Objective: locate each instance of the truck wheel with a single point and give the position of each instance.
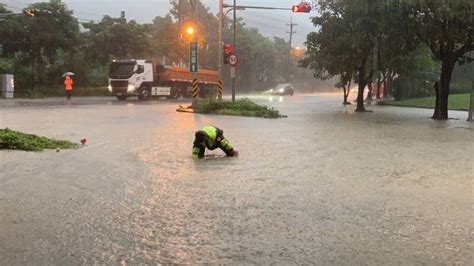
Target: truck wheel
(122, 97)
(144, 94)
(173, 92)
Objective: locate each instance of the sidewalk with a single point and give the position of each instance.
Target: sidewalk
(52, 101)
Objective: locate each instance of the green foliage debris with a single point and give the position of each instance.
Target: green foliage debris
(242, 107)
(14, 140)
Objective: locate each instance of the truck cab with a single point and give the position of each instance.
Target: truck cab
(135, 78)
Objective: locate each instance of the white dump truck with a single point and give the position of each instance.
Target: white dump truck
(144, 78)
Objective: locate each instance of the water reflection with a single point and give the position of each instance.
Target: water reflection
(272, 98)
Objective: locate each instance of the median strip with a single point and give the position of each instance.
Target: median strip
(242, 107)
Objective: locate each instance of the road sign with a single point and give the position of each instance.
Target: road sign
(232, 72)
(193, 57)
(233, 59)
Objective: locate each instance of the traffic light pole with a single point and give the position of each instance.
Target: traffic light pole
(471, 104)
(233, 43)
(288, 68)
(220, 45)
(255, 7)
(195, 29)
(195, 74)
(220, 29)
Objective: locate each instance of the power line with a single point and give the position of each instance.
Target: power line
(14, 7)
(78, 18)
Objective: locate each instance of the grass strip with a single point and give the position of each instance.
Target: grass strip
(455, 102)
(14, 140)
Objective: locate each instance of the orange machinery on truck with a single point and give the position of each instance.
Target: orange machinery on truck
(144, 78)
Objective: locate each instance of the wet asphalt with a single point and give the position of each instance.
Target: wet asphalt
(324, 186)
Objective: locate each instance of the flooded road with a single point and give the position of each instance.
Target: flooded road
(323, 186)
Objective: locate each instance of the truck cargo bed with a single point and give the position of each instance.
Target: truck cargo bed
(183, 75)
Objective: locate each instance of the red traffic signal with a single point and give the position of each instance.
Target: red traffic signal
(30, 12)
(228, 48)
(227, 53)
(303, 7)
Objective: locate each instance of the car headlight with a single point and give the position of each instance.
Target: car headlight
(130, 88)
(271, 90)
(109, 88)
(281, 90)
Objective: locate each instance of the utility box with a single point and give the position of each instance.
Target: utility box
(7, 85)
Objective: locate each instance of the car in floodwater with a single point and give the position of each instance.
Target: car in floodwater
(283, 89)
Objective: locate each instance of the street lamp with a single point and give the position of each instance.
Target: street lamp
(190, 30)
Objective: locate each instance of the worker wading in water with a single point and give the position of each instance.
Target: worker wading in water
(212, 138)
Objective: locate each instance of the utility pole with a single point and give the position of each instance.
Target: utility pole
(193, 54)
(471, 103)
(234, 7)
(291, 24)
(196, 31)
(234, 47)
(220, 44)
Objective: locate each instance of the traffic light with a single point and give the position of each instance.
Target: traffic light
(30, 12)
(303, 7)
(227, 53)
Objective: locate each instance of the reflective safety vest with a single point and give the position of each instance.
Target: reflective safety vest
(68, 83)
(211, 142)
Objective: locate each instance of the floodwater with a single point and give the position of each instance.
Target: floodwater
(323, 186)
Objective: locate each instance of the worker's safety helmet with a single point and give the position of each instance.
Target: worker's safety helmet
(200, 136)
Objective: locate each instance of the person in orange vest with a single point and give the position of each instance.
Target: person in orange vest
(68, 86)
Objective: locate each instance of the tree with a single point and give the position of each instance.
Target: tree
(39, 49)
(55, 28)
(281, 60)
(115, 38)
(355, 24)
(165, 44)
(447, 28)
(329, 52)
(205, 31)
(13, 36)
(416, 75)
(35, 41)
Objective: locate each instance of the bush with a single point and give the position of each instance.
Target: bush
(242, 107)
(14, 140)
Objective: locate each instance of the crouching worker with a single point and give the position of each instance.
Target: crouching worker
(212, 138)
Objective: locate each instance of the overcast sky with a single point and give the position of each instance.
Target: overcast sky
(269, 22)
